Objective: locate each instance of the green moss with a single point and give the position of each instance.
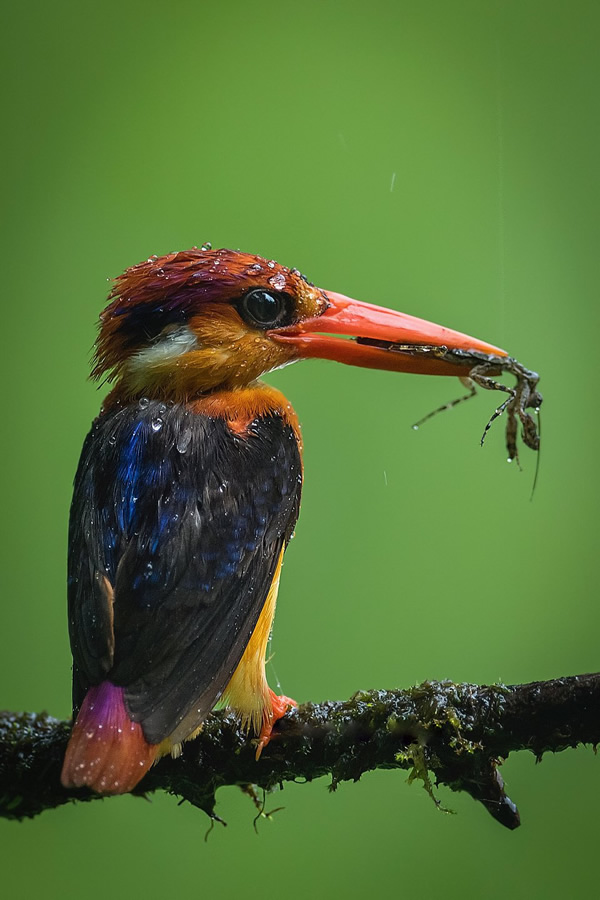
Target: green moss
(415, 754)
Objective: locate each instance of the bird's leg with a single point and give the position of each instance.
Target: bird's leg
(279, 706)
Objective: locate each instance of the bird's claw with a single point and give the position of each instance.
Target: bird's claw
(279, 706)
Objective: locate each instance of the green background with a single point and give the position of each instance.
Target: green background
(437, 157)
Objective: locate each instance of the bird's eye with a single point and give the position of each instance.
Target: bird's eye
(265, 310)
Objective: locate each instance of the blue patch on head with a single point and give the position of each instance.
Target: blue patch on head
(144, 321)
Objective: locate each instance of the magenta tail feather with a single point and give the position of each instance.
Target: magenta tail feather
(107, 752)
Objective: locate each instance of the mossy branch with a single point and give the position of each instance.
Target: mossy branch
(445, 733)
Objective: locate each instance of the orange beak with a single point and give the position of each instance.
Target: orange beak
(381, 339)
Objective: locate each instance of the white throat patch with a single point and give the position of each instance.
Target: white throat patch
(171, 343)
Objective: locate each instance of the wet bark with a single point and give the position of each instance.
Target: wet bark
(444, 733)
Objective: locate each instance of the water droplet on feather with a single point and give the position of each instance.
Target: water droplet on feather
(277, 281)
(183, 440)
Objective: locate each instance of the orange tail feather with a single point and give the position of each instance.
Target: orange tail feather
(107, 752)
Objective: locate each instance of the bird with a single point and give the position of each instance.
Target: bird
(188, 490)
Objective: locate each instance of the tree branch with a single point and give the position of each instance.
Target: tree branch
(445, 733)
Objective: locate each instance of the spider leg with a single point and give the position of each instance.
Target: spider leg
(472, 391)
(479, 377)
(528, 399)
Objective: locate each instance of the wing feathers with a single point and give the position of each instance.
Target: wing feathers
(188, 534)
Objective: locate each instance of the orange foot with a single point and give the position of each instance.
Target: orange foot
(280, 706)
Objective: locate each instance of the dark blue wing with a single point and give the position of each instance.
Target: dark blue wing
(176, 529)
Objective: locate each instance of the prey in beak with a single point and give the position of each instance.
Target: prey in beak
(362, 334)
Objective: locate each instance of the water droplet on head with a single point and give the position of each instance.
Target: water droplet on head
(257, 267)
(271, 264)
(206, 246)
(277, 281)
(157, 424)
(143, 403)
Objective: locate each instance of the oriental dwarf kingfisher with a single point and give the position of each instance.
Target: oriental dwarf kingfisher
(187, 494)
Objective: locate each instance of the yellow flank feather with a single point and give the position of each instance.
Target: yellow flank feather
(248, 692)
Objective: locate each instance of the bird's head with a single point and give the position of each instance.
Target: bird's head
(198, 320)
